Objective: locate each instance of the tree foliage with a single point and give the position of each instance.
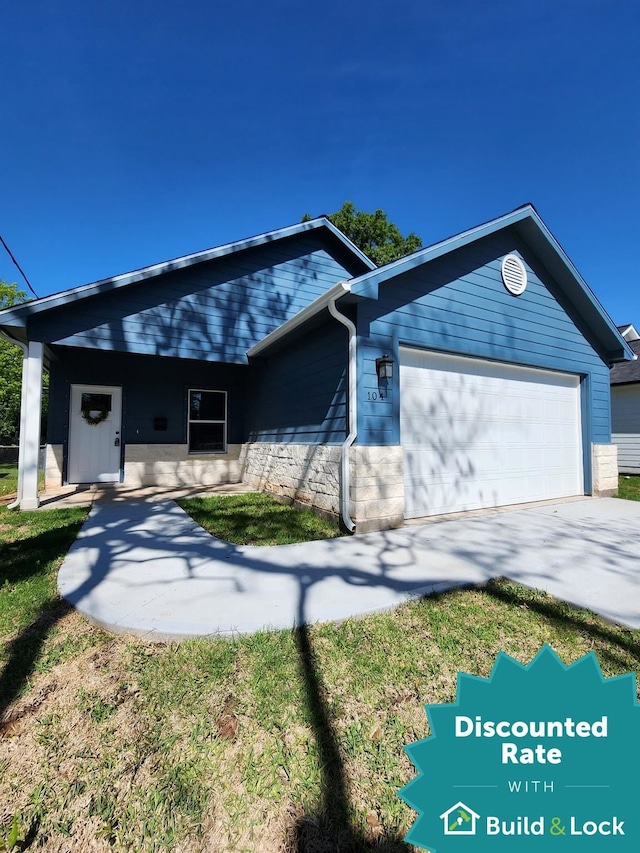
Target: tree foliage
(11, 372)
(10, 295)
(378, 238)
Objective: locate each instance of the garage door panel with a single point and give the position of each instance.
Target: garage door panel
(480, 434)
(514, 460)
(437, 498)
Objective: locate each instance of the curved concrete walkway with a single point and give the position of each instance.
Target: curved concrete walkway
(143, 566)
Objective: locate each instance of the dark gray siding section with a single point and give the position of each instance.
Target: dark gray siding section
(213, 311)
(301, 397)
(150, 388)
(458, 304)
(625, 406)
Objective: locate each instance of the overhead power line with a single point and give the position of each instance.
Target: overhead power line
(9, 252)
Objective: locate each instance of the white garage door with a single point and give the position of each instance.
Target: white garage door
(480, 434)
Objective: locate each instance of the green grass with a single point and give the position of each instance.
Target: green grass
(629, 487)
(8, 479)
(257, 519)
(281, 741)
(32, 546)
(249, 743)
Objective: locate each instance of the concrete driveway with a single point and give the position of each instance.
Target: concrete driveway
(144, 566)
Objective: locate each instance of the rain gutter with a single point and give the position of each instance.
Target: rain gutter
(352, 405)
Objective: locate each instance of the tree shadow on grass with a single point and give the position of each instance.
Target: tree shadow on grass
(333, 824)
(31, 556)
(21, 561)
(23, 651)
(269, 522)
(331, 828)
(565, 616)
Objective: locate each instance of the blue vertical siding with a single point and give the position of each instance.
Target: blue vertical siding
(301, 396)
(458, 304)
(214, 311)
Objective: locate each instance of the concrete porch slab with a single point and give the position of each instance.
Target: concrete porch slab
(67, 496)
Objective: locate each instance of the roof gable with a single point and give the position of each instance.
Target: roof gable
(212, 306)
(353, 259)
(529, 227)
(532, 233)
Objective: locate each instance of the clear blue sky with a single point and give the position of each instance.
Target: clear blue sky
(134, 132)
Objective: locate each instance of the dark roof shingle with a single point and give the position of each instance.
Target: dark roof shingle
(627, 371)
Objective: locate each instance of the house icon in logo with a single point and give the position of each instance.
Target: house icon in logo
(459, 820)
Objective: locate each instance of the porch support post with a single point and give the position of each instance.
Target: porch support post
(23, 423)
(30, 421)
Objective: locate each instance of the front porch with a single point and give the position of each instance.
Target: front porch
(86, 495)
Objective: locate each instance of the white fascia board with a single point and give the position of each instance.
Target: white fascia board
(307, 313)
(338, 233)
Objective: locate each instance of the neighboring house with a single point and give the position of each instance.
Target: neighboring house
(473, 373)
(629, 332)
(625, 405)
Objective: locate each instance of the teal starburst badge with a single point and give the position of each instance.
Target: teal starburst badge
(536, 757)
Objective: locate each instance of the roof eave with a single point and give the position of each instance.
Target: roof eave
(305, 315)
(367, 284)
(620, 357)
(531, 228)
(16, 315)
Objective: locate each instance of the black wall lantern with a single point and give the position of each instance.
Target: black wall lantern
(384, 367)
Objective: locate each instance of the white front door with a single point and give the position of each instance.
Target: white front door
(95, 424)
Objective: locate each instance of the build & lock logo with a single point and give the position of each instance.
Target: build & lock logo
(538, 757)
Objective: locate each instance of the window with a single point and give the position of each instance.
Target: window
(207, 425)
(95, 402)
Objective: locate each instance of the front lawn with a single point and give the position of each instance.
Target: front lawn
(283, 741)
(32, 546)
(257, 519)
(629, 487)
(9, 481)
(8, 478)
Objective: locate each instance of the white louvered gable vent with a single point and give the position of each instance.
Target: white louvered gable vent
(514, 274)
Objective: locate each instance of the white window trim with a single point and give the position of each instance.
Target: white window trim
(190, 391)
